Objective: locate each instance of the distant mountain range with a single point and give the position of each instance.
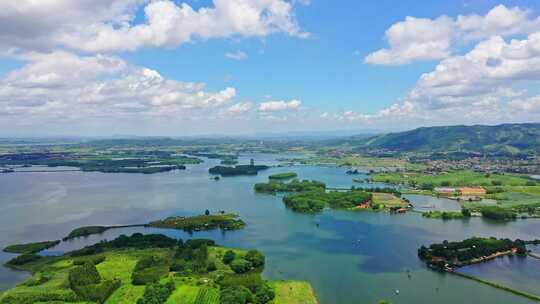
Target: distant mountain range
(505, 138)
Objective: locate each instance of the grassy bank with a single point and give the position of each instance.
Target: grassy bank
(293, 292)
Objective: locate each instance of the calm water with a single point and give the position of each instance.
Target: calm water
(350, 257)
(519, 273)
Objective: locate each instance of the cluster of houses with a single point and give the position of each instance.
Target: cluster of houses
(486, 165)
(461, 193)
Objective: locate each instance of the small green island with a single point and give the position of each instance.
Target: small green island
(237, 170)
(153, 269)
(224, 221)
(31, 247)
(283, 176)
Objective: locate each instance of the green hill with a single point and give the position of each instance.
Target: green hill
(500, 139)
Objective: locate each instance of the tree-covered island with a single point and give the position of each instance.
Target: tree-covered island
(237, 170)
(447, 256)
(283, 176)
(312, 196)
(225, 221)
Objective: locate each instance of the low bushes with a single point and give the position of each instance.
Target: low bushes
(94, 260)
(240, 265)
(498, 213)
(86, 282)
(192, 257)
(149, 270)
(23, 259)
(83, 275)
(255, 257)
(228, 257)
(98, 292)
(37, 297)
(245, 288)
(235, 295)
(157, 293)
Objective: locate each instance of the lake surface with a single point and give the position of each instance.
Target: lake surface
(348, 257)
(521, 273)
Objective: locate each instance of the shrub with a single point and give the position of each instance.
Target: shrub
(38, 280)
(39, 297)
(228, 257)
(148, 261)
(498, 213)
(235, 295)
(93, 260)
(157, 293)
(23, 259)
(255, 257)
(149, 275)
(211, 266)
(149, 270)
(196, 243)
(180, 265)
(264, 294)
(83, 275)
(427, 186)
(98, 292)
(252, 281)
(530, 183)
(240, 265)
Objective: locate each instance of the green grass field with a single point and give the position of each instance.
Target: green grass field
(452, 178)
(388, 200)
(184, 294)
(297, 292)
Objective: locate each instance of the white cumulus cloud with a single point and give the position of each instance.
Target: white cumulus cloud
(62, 85)
(110, 25)
(281, 105)
(416, 39)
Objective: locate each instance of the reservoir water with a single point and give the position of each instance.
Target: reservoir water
(348, 257)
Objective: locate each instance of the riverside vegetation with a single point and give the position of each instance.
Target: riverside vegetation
(311, 196)
(516, 196)
(153, 269)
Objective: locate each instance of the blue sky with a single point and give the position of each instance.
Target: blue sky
(160, 67)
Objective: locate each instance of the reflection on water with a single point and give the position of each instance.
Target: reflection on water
(425, 203)
(349, 257)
